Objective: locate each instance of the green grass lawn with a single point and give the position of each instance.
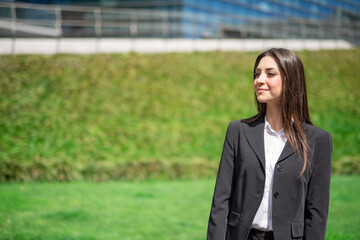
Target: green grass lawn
(153, 210)
(71, 117)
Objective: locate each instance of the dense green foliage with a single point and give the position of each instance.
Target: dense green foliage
(101, 117)
(156, 210)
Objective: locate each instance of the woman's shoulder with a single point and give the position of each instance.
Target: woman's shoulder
(313, 131)
(245, 122)
(235, 124)
(242, 121)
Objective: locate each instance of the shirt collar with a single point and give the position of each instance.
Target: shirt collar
(268, 128)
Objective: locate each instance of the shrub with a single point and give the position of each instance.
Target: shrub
(347, 165)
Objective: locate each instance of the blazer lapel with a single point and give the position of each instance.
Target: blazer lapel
(254, 133)
(286, 152)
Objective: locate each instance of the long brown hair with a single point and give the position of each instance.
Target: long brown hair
(294, 103)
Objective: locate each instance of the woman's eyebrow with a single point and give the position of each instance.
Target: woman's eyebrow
(267, 69)
(271, 69)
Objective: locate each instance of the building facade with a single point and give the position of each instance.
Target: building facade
(269, 19)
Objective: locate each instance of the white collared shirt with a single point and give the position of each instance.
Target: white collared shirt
(274, 143)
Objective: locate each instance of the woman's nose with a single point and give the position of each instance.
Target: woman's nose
(261, 78)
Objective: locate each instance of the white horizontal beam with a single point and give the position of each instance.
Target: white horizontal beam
(115, 45)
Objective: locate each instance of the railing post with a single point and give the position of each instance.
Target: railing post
(13, 27)
(321, 33)
(133, 24)
(58, 21)
(133, 29)
(165, 25)
(338, 24)
(58, 27)
(98, 22)
(98, 25)
(303, 32)
(320, 26)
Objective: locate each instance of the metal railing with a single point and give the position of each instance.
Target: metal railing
(35, 20)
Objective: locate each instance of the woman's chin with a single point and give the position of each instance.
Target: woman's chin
(261, 100)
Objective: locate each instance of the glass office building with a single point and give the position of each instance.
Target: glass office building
(305, 19)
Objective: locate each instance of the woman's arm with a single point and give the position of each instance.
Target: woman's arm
(317, 199)
(220, 205)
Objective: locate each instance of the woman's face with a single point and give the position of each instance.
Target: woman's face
(268, 81)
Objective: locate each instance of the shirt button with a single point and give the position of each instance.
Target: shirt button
(276, 195)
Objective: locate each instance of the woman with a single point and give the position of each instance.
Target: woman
(274, 175)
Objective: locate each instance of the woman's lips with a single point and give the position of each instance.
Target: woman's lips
(260, 90)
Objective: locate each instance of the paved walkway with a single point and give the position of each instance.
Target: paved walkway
(108, 45)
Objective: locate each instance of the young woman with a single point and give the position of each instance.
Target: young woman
(274, 175)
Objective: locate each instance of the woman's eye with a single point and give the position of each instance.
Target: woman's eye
(256, 75)
(271, 74)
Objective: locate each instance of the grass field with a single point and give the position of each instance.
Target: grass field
(71, 117)
(149, 210)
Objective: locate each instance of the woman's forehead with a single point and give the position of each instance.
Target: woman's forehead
(267, 63)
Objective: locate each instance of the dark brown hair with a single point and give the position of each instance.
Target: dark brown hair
(294, 103)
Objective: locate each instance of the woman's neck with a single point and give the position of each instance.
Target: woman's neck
(273, 116)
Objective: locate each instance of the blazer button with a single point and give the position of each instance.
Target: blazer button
(276, 195)
(279, 168)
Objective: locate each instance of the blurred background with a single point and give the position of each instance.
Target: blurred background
(113, 113)
(335, 19)
(335, 23)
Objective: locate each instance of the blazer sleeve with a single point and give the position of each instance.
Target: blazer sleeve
(317, 199)
(220, 205)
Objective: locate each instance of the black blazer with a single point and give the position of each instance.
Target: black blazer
(300, 205)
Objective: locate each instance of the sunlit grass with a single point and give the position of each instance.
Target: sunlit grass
(149, 210)
(63, 113)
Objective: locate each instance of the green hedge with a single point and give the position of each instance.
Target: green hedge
(135, 170)
(135, 116)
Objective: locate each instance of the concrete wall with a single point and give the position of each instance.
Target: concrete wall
(108, 45)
